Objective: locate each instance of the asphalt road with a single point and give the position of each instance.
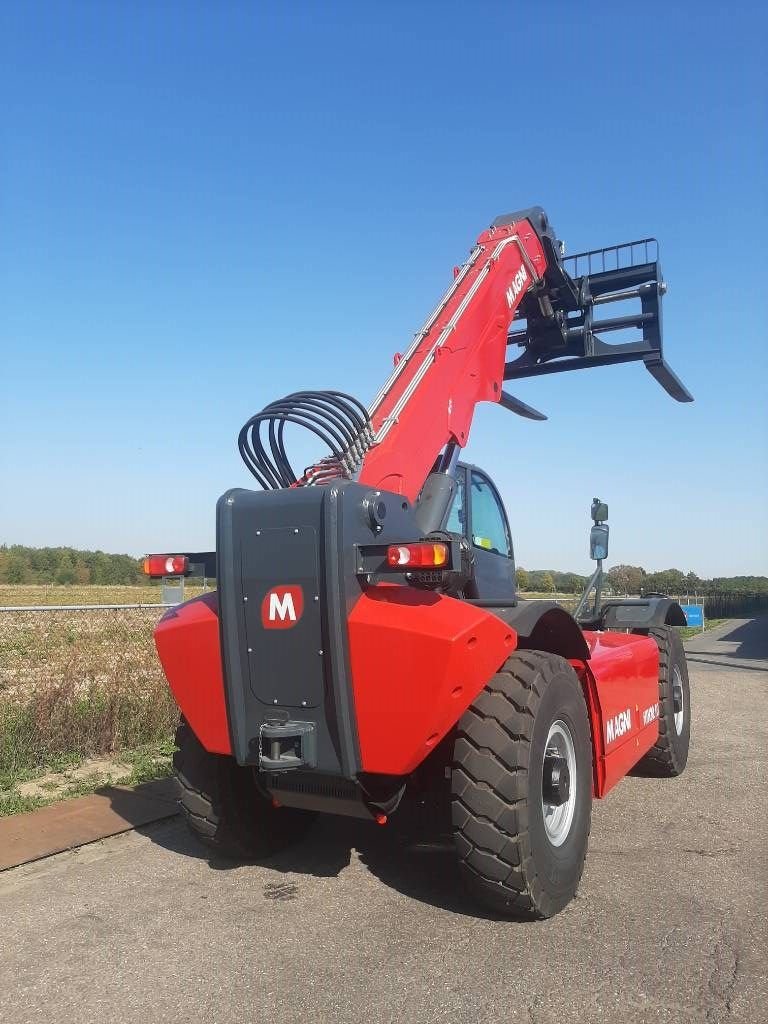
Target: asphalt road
(669, 924)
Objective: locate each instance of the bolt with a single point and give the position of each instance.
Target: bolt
(296, 531)
(230, 501)
(258, 533)
(320, 652)
(250, 650)
(303, 703)
(245, 597)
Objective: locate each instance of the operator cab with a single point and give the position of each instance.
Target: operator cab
(478, 513)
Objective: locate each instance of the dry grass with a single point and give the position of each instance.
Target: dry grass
(566, 600)
(77, 648)
(52, 594)
(77, 684)
(64, 724)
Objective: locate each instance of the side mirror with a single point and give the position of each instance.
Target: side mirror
(599, 511)
(598, 542)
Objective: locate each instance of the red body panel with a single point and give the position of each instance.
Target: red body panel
(188, 643)
(418, 661)
(462, 364)
(621, 685)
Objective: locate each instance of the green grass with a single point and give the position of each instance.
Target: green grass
(60, 724)
(686, 632)
(12, 802)
(147, 763)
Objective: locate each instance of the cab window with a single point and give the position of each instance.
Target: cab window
(457, 517)
(489, 524)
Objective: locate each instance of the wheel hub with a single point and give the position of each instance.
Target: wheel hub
(558, 783)
(678, 701)
(557, 780)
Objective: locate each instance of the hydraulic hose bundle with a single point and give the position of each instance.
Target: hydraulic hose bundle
(339, 420)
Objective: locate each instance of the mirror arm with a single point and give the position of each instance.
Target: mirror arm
(598, 589)
(596, 581)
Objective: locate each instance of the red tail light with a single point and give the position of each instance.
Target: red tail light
(166, 565)
(417, 556)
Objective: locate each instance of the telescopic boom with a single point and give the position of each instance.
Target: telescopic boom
(516, 291)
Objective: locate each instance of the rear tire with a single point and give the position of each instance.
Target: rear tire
(521, 852)
(669, 755)
(223, 806)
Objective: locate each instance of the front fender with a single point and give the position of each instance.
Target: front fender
(642, 613)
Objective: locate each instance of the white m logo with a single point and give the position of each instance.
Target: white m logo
(282, 609)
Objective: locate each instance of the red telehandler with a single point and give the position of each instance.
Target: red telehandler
(366, 646)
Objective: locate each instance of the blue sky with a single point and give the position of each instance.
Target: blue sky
(205, 206)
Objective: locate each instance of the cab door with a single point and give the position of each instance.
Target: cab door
(478, 513)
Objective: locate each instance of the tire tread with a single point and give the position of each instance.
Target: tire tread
(662, 760)
(223, 807)
(491, 830)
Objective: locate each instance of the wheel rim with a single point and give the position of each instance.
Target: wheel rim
(678, 700)
(558, 817)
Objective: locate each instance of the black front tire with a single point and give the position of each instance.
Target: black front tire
(223, 806)
(669, 755)
(507, 857)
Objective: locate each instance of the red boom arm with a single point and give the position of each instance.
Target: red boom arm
(455, 361)
(458, 358)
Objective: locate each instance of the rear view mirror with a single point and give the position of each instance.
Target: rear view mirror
(599, 511)
(598, 542)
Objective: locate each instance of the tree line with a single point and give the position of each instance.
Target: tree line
(20, 564)
(633, 579)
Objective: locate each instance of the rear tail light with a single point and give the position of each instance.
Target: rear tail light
(166, 565)
(417, 556)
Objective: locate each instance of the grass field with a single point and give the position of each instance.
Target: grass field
(52, 594)
(77, 684)
(690, 631)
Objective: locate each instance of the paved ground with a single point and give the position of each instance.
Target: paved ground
(669, 924)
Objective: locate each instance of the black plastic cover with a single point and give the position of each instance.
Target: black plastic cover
(642, 613)
(296, 673)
